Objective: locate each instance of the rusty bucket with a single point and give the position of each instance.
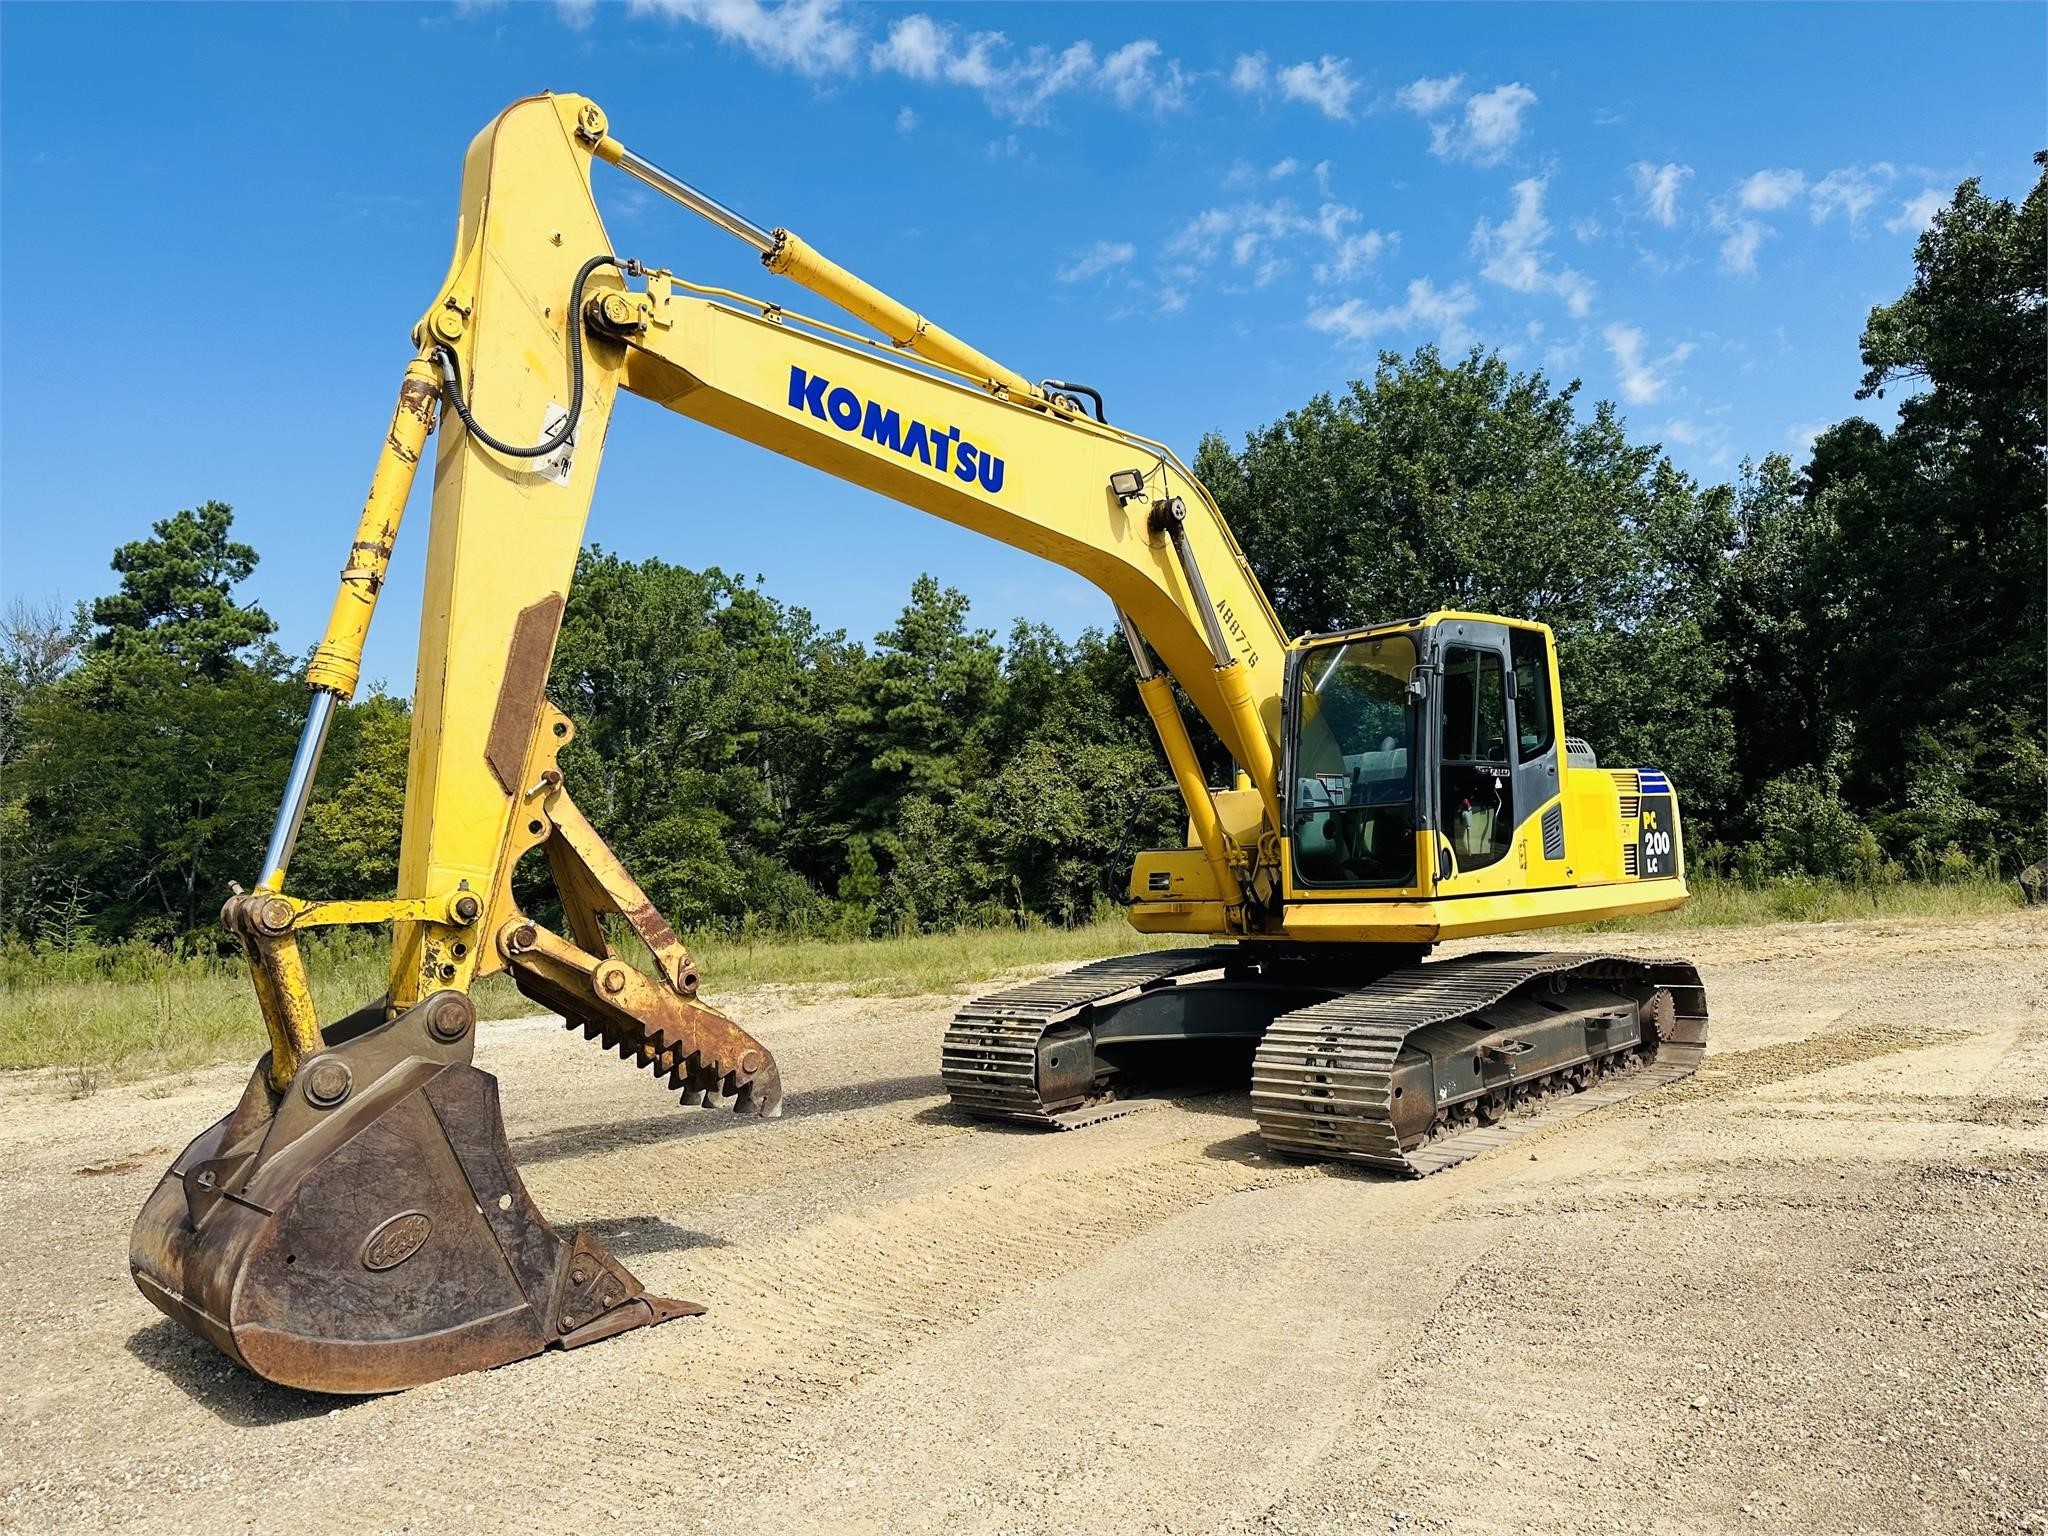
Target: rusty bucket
(365, 1230)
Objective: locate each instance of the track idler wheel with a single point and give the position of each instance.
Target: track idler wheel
(365, 1230)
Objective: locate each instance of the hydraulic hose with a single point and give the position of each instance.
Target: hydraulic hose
(451, 374)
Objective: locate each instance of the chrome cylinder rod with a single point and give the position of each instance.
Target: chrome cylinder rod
(298, 789)
(697, 202)
(1176, 531)
(1136, 642)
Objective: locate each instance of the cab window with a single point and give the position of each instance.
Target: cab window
(1353, 812)
(1535, 713)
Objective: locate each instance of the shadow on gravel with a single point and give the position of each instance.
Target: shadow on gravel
(1228, 1104)
(637, 1236)
(1251, 1151)
(611, 1136)
(221, 1387)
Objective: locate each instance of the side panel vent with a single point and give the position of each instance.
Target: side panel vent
(1629, 860)
(1553, 832)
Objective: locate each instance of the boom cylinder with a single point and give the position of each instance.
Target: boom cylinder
(1254, 750)
(1157, 694)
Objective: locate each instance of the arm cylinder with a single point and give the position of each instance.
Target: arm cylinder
(786, 254)
(794, 259)
(1157, 694)
(337, 662)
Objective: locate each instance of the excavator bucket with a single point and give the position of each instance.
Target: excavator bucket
(365, 1230)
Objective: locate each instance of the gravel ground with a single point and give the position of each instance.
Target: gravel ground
(1805, 1291)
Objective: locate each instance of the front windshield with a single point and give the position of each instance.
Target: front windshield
(1353, 817)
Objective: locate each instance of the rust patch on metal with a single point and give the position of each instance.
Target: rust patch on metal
(519, 696)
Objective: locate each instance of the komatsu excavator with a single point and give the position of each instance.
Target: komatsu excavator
(356, 1223)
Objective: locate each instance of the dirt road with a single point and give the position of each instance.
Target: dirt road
(1805, 1291)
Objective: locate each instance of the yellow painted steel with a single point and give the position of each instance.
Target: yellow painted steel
(918, 416)
(338, 658)
(793, 259)
(737, 371)
(1157, 694)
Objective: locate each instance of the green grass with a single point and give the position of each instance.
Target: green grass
(904, 967)
(105, 1014)
(1732, 904)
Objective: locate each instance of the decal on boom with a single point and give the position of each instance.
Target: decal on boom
(940, 448)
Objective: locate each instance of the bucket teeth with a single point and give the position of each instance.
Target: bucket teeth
(685, 1068)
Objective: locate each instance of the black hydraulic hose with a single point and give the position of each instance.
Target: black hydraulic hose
(1078, 389)
(452, 375)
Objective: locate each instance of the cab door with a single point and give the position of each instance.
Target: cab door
(1538, 741)
(1474, 749)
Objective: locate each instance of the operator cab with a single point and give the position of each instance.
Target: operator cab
(1433, 738)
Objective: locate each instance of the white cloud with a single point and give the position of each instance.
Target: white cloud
(915, 46)
(1484, 132)
(1768, 191)
(1427, 97)
(906, 120)
(1493, 122)
(1261, 241)
(811, 37)
(1018, 85)
(1643, 379)
(1679, 430)
(1325, 85)
(1658, 186)
(1740, 239)
(1354, 253)
(1801, 435)
(1283, 169)
(1917, 213)
(1137, 76)
(1850, 192)
(1513, 253)
(1096, 260)
(1426, 308)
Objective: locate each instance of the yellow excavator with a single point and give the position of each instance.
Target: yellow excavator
(356, 1223)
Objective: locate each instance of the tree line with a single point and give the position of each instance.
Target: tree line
(1841, 663)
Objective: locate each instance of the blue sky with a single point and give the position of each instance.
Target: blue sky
(220, 223)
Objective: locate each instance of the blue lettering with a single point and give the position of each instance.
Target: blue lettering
(883, 427)
(944, 449)
(807, 392)
(845, 408)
